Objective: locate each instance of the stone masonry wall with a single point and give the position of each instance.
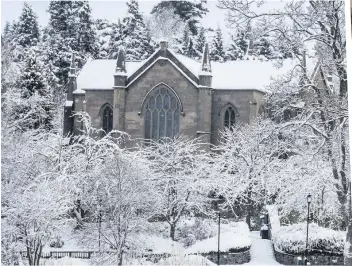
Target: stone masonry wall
(288, 259)
(95, 99)
(246, 102)
(161, 72)
(229, 258)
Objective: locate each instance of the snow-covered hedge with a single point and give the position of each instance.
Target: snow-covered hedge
(234, 237)
(186, 260)
(192, 230)
(292, 239)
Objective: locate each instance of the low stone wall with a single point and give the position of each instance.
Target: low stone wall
(229, 258)
(318, 259)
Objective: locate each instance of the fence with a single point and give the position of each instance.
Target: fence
(61, 254)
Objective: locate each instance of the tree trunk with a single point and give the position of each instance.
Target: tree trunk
(172, 231)
(248, 218)
(348, 245)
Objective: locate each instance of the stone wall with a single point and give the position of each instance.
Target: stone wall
(247, 104)
(289, 259)
(161, 72)
(229, 258)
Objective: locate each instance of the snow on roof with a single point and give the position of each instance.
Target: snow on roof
(233, 75)
(247, 74)
(99, 74)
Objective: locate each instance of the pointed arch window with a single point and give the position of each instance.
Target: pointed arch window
(229, 117)
(107, 116)
(162, 114)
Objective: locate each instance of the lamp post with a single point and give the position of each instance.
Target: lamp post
(309, 200)
(219, 238)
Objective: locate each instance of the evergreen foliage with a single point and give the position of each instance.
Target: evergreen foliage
(136, 36)
(27, 31)
(200, 43)
(217, 52)
(36, 109)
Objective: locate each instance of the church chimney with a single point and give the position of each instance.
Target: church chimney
(72, 84)
(205, 76)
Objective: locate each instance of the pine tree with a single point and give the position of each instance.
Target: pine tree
(185, 42)
(36, 109)
(262, 48)
(200, 43)
(135, 34)
(217, 52)
(116, 40)
(27, 28)
(87, 39)
(238, 48)
(32, 81)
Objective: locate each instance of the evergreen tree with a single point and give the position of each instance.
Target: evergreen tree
(87, 39)
(27, 28)
(262, 48)
(188, 11)
(200, 43)
(36, 108)
(116, 40)
(217, 52)
(185, 41)
(62, 19)
(188, 44)
(135, 34)
(32, 81)
(238, 48)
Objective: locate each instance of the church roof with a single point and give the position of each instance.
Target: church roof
(232, 75)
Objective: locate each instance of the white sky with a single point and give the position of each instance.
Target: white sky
(114, 9)
(111, 10)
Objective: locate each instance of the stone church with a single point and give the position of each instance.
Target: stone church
(167, 95)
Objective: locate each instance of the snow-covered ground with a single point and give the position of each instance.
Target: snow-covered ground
(261, 250)
(262, 253)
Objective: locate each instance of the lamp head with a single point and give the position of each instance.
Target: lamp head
(309, 198)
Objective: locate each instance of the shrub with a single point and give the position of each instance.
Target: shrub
(292, 239)
(56, 243)
(195, 229)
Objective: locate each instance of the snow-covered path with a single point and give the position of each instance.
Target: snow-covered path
(262, 253)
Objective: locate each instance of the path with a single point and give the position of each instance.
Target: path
(262, 253)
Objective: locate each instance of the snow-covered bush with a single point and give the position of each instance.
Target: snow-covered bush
(234, 237)
(292, 239)
(56, 243)
(186, 260)
(195, 229)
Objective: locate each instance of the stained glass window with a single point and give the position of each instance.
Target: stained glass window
(107, 119)
(230, 116)
(162, 115)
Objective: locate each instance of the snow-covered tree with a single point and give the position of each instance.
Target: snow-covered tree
(27, 103)
(86, 35)
(190, 12)
(27, 31)
(172, 29)
(239, 47)
(136, 35)
(177, 167)
(36, 194)
(110, 38)
(200, 43)
(242, 163)
(217, 51)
